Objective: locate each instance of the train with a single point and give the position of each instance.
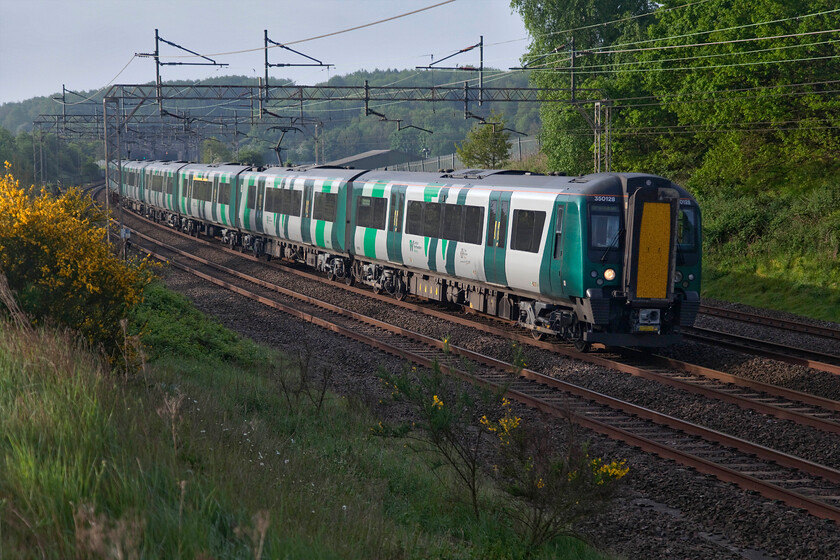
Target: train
(604, 258)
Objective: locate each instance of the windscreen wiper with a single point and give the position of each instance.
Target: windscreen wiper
(612, 244)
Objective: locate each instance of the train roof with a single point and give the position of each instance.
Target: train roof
(227, 167)
(617, 184)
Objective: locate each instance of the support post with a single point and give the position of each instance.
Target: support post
(158, 89)
(572, 73)
(597, 137)
(113, 159)
(481, 71)
(264, 97)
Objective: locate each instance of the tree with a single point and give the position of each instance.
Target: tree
(487, 145)
(557, 25)
(251, 155)
(213, 151)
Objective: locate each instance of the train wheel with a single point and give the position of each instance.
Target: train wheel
(400, 291)
(349, 277)
(582, 345)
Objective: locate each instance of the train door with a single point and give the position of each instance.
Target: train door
(556, 246)
(395, 219)
(651, 244)
(258, 205)
(306, 216)
(497, 223)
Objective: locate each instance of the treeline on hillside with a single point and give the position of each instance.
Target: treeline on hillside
(57, 161)
(342, 127)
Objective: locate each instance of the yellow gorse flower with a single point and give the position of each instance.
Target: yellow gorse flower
(55, 245)
(504, 427)
(436, 402)
(607, 472)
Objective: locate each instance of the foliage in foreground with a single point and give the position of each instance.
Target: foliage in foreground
(540, 490)
(53, 254)
(235, 454)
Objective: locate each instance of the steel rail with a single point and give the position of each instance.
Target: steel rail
(766, 349)
(746, 317)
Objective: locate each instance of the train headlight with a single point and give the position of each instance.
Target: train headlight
(691, 276)
(609, 275)
(678, 277)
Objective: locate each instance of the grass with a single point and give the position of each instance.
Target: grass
(218, 450)
(771, 292)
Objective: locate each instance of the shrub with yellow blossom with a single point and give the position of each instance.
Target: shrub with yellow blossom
(503, 427)
(447, 424)
(54, 254)
(550, 490)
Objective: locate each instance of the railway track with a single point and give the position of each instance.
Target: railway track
(779, 476)
(821, 361)
(755, 319)
(779, 402)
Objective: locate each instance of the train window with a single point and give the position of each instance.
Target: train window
(252, 197)
(291, 202)
(604, 225)
(414, 222)
(687, 229)
(170, 184)
(431, 219)
(371, 212)
(473, 222)
(558, 233)
(325, 206)
(223, 194)
(453, 222)
(202, 189)
(281, 201)
(527, 230)
(273, 202)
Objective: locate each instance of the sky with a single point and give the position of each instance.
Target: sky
(89, 44)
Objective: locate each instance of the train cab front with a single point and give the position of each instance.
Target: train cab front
(645, 258)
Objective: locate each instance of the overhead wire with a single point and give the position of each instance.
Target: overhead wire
(733, 28)
(109, 84)
(586, 70)
(363, 26)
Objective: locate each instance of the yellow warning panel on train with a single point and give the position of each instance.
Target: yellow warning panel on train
(654, 251)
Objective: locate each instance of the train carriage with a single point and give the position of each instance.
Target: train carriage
(208, 193)
(160, 197)
(132, 179)
(608, 258)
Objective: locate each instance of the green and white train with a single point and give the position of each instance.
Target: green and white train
(611, 258)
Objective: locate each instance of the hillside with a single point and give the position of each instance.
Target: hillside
(342, 128)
